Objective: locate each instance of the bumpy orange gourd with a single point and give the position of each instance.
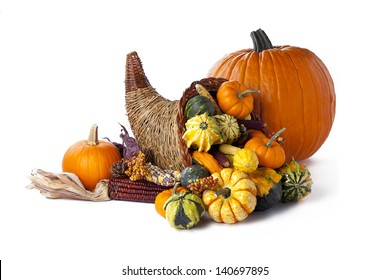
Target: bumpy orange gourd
(296, 92)
(235, 99)
(269, 152)
(90, 159)
(208, 161)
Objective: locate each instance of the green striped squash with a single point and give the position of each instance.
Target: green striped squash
(296, 181)
(229, 127)
(198, 105)
(184, 210)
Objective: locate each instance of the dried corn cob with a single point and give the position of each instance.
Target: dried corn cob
(159, 176)
(139, 191)
(243, 136)
(252, 124)
(204, 92)
(220, 157)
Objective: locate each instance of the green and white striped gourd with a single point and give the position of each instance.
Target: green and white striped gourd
(296, 181)
(184, 210)
(229, 127)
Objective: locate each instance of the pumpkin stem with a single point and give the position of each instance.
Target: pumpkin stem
(225, 192)
(261, 42)
(268, 145)
(93, 136)
(242, 94)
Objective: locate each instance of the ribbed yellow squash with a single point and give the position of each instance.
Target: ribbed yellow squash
(235, 199)
(202, 131)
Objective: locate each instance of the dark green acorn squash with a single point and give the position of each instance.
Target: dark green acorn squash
(268, 201)
(191, 173)
(198, 105)
(296, 181)
(184, 210)
(269, 187)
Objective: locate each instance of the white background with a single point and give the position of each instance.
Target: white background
(62, 68)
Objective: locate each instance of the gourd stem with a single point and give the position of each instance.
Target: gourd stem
(261, 41)
(242, 94)
(93, 136)
(225, 192)
(177, 184)
(268, 145)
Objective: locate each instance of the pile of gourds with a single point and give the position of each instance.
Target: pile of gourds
(236, 170)
(253, 170)
(277, 106)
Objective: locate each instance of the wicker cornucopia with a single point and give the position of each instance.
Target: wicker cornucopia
(156, 122)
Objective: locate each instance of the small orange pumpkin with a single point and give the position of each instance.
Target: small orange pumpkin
(269, 152)
(162, 197)
(90, 159)
(235, 99)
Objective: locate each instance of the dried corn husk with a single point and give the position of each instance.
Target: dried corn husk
(66, 185)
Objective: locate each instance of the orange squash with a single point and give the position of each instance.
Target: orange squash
(269, 153)
(90, 159)
(235, 99)
(208, 161)
(296, 92)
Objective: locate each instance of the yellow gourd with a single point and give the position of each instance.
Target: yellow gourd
(245, 160)
(202, 131)
(234, 200)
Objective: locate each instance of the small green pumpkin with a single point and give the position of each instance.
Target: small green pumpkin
(198, 105)
(191, 173)
(184, 210)
(296, 181)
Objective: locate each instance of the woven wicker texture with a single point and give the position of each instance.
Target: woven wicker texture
(156, 122)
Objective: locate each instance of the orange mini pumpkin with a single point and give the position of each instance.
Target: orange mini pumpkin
(90, 159)
(297, 92)
(235, 99)
(269, 152)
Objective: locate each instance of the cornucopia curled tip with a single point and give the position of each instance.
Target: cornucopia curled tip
(135, 75)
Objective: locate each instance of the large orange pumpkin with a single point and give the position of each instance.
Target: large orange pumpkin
(296, 92)
(90, 159)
